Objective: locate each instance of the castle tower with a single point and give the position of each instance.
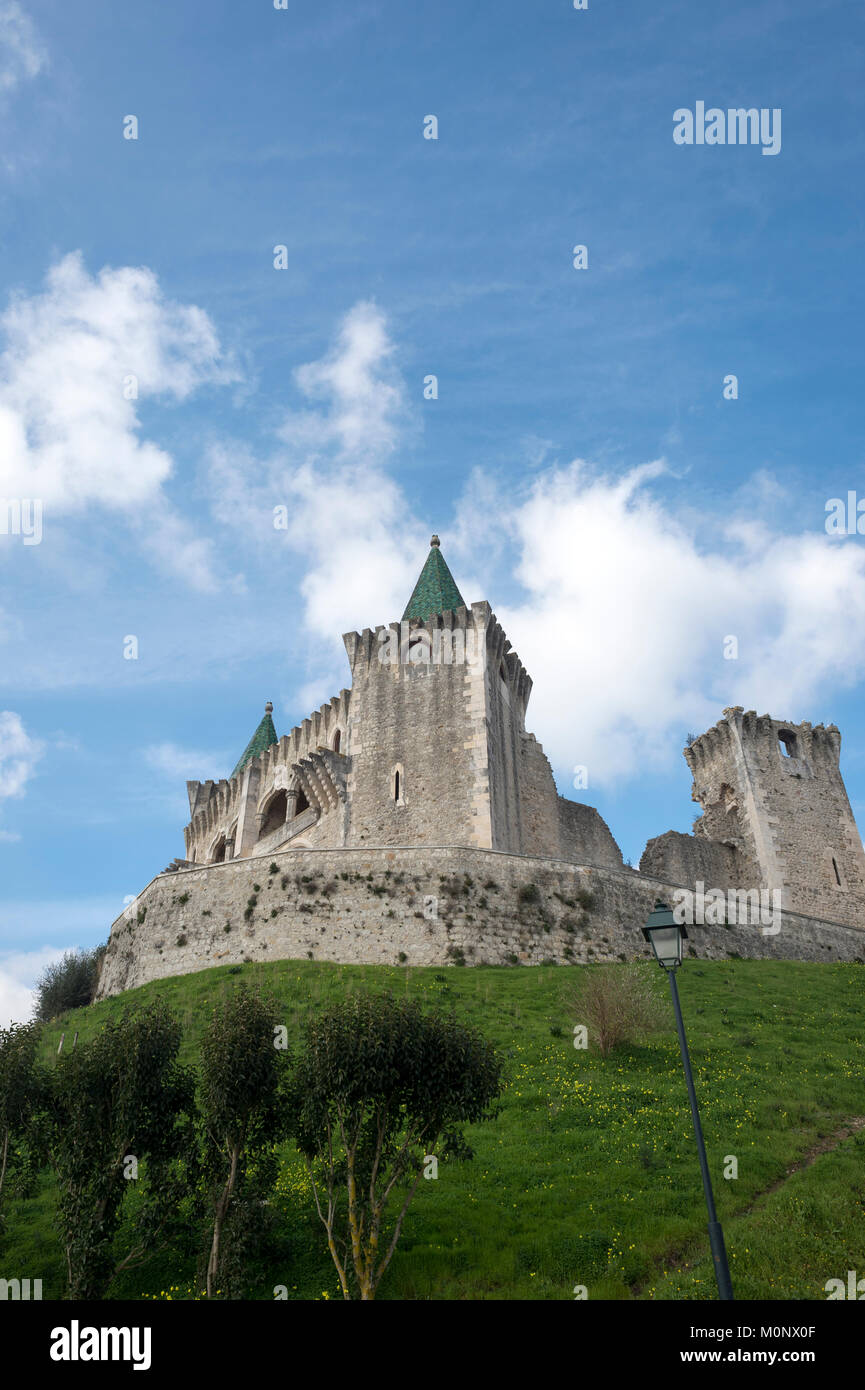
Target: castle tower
(437, 736)
(418, 722)
(773, 791)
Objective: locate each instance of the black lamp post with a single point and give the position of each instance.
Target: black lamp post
(666, 935)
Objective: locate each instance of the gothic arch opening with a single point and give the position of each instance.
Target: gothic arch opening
(217, 854)
(336, 741)
(274, 814)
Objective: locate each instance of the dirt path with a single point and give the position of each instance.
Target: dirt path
(679, 1259)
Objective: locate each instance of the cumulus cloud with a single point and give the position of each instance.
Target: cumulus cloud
(345, 516)
(77, 359)
(19, 754)
(19, 971)
(22, 53)
(628, 604)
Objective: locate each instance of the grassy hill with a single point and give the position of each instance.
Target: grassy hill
(589, 1175)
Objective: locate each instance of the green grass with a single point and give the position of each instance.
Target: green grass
(589, 1175)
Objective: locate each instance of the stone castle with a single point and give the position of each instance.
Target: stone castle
(413, 819)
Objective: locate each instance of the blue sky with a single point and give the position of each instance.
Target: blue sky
(581, 465)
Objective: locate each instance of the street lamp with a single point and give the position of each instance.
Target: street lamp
(666, 935)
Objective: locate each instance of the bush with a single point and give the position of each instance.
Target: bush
(619, 1004)
(69, 983)
(529, 893)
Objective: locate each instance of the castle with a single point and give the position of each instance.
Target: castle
(420, 784)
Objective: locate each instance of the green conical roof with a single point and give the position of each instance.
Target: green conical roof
(263, 738)
(435, 591)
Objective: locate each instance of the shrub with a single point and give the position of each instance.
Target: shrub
(69, 983)
(529, 893)
(619, 1004)
(181, 940)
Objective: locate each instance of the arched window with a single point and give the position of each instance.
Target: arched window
(837, 875)
(336, 742)
(217, 855)
(396, 785)
(275, 814)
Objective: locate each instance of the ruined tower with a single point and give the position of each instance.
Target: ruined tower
(772, 791)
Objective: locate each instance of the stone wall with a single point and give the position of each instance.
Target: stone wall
(687, 859)
(418, 907)
(585, 837)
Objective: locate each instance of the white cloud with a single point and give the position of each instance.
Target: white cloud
(361, 396)
(348, 519)
(188, 764)
(22, 53)
(68, 433)
(9, 837)
(19, 754)
(628, 603)
(19, 971)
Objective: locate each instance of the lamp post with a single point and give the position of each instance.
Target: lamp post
(665, 935)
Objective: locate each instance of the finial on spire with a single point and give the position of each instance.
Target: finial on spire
(268, 709)
(435, 541)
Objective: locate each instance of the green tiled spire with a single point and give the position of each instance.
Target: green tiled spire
(435, 591)
(263, 738)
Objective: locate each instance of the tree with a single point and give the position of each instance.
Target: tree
(380, 1088)
(69, 983)
(243, 1114)
(117, 1101)
(21, 1090)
